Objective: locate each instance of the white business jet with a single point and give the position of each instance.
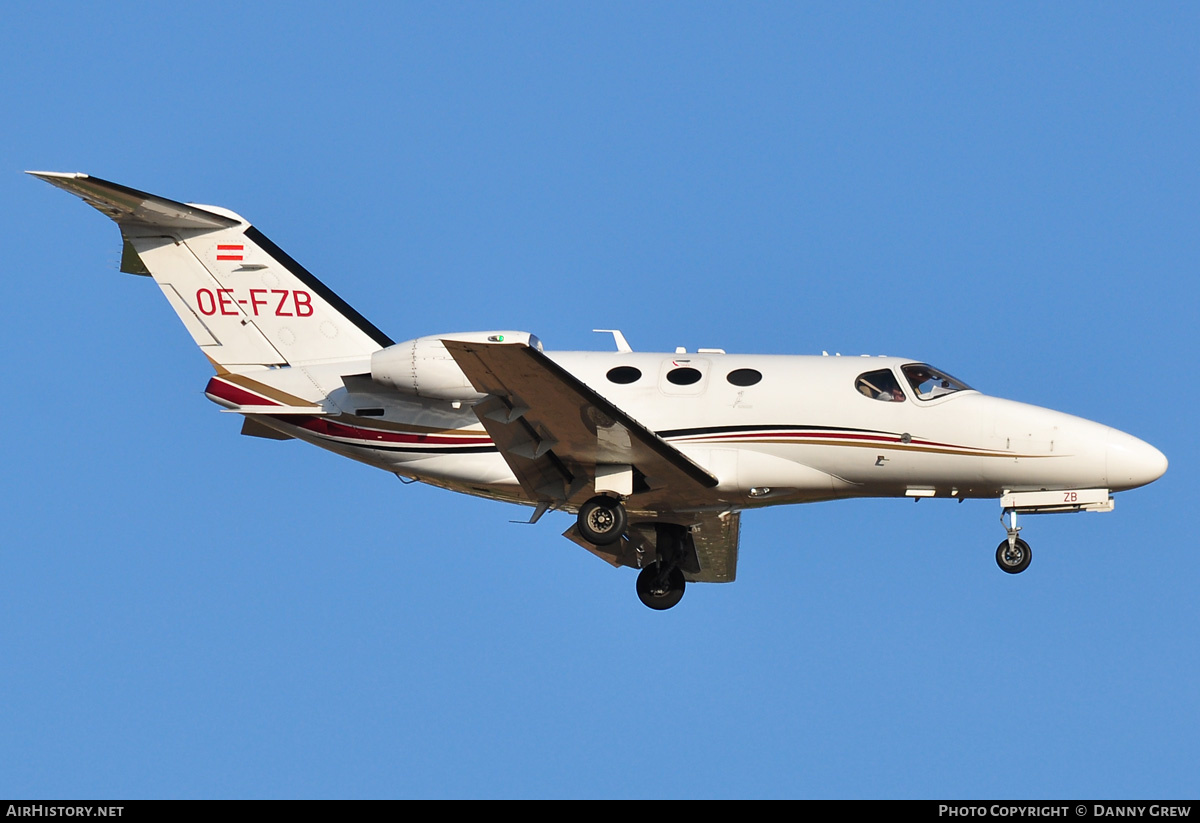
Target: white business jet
(656, 454)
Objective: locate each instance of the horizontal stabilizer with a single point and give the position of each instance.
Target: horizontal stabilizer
(252, 428)
(126, 205)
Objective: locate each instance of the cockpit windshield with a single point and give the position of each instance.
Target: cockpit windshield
(928, 382)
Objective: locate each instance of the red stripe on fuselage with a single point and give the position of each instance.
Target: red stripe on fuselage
(820, 435)
(319, 425)
(236, 394)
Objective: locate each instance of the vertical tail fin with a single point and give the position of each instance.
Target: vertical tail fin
(242, 298)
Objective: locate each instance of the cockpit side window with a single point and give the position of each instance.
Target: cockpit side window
(880, 385)
(928, 382)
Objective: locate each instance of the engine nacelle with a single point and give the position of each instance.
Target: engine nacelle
(423, 366)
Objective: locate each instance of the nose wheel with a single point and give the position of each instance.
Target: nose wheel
(1013, 554)
(1014, 558)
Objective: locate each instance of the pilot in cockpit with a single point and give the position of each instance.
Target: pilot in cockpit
(880, 385)
(929, 383)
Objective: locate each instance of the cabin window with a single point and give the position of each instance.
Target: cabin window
(880, 385)
(624, 375)
(744, 377)
(684, 376)
(928, 382)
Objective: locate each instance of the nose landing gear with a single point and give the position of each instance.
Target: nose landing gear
(1013, 559)
(1013, 555)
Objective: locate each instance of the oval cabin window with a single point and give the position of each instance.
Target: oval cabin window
(683, 376)
(744, 377)
(624, 374)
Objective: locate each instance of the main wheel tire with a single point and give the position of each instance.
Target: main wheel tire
(602, 520)
(1014, 560)
(658, 595)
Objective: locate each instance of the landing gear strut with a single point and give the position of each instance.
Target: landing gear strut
(1013, 554)
(660, 585)
(602, 520)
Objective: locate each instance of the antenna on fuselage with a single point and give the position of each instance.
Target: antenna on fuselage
(618, 338)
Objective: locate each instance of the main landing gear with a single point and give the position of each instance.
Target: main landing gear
(602, 520)
(1013, 554)
(660, 584)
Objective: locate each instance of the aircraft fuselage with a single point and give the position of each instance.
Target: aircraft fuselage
(801, 432)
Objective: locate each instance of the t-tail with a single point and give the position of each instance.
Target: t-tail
(245, 302)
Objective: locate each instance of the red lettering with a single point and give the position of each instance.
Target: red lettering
(255, 302)
(283, 296)
(212, 303)
(303, 306)
(226, 301)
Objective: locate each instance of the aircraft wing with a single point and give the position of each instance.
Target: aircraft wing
(557, 434)
(716, 539)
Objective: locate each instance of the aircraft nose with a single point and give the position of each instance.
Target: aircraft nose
(1131, 462)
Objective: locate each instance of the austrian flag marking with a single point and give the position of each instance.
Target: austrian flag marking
(229, 252)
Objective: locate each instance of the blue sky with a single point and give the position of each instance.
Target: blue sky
(1009, 191)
